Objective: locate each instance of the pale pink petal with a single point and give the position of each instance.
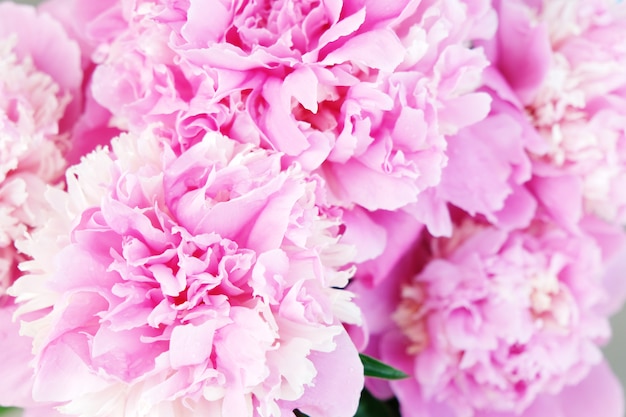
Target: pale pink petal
(15, 352)
(338, 382)
(599, 393)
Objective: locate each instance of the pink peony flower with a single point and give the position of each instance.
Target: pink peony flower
(205, 282)
(570, 82)
(362, 95)
(43, 43)
(36, 108)
(495, 323)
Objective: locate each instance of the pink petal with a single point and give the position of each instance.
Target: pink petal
(338, 384)
(379, 49)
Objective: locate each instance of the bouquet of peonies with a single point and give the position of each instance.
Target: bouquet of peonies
(238, 208)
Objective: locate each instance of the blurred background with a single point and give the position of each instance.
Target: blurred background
(614, 351)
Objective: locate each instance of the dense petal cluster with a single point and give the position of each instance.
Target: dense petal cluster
(489, 321)
(573, 92)
(205, 281)
(38, 102)
(35, 97)
(501, 318)
(357, 93)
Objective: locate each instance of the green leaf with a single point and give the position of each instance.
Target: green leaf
(376, 369)
(7, 410)
(369, 406)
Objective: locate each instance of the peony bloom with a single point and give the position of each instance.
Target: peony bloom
(36, 110)
(360, 94)
(200, 283)
(496, 323)
(570, 82)
(39, 101)
(357, 93)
